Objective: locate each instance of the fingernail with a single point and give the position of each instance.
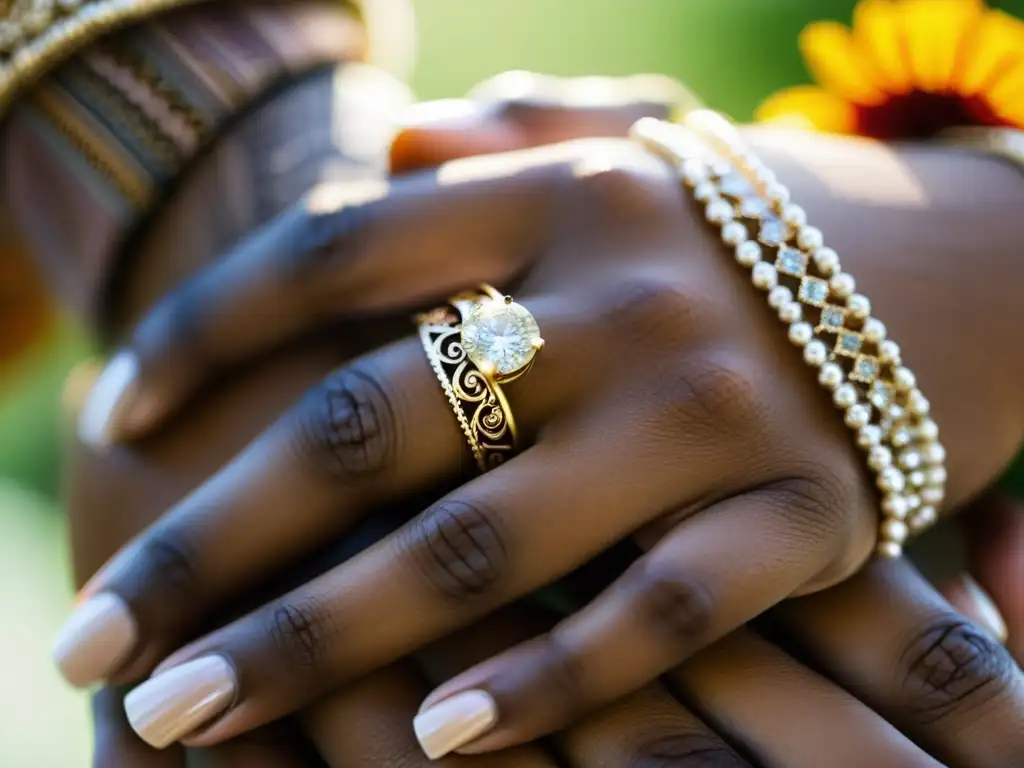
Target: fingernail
(95, 640)
(110, 397)
(985, 611)
(179, 701)
(455, 722)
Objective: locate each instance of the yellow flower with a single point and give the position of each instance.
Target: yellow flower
(908, 69)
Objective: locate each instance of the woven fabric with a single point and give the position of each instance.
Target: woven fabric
(91, 147)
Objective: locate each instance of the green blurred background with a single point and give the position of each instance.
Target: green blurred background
(732, 52)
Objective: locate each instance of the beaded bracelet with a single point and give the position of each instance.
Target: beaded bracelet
(807, 288)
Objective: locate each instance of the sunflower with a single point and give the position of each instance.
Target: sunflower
(908, 69)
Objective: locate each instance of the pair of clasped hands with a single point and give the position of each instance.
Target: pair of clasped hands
(314, 575)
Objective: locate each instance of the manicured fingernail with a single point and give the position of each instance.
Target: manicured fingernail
(95, 640)
(179, 701)
(985, 610)
(110, 398)
(455, 722)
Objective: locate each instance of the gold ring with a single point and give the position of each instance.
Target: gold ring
(477, 342)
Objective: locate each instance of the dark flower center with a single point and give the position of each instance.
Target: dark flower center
(922, 115)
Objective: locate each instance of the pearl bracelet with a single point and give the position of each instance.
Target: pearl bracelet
(832, 323)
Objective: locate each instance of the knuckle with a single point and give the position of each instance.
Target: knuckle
(655, 312)
(300, 633)
(818, 503)
(714, 392)
(686, 750)
(459, 549)
(179, 324)
(335, 221)
(675, 605)
(951, 666)
(164, 574)
(624, 183)
(347, 425)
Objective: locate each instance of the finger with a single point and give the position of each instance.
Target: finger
(368, 724)
(372, 433)
(967, 596)
(684, 594)
(649, 728)
(345, 249)
(890, 639)
(487, 543)
(994, 531)
(116, 745)
(784, 714)
(280, 745)
(522, 109)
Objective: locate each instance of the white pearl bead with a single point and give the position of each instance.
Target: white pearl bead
(827, 261)
(719, 211)
(792, 312)
(880, 458)
(748, 254)
(794, 215)
(810, 238)
(779, 297)
(933, 496)
(801, 333)
(845, 396)
(892, 480)
(857, 416)
(904, 379)
(924, 518)
(859, 306)
(895, 506)
(889, 550)
(705, 192)
(937, 476)
(869, 436)
(694, 172)
(910, 459)
(777, 193)
(896, 412)
(928, 430)
(842, 285)
(895, 531)
(901, 437)
(831, 375)
(766, 175)
(918, 403)
(734, 233)
(917, 478)
(815, 353)
(913, 501)
(889, 351)
(874, 331)
(934, 453)
(765, 276)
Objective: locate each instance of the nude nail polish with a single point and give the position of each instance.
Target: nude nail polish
(95, 640)
(111, 396)
(170, 706)
(455, 722)
(985, 611)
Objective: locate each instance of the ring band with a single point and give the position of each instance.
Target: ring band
(470, 360)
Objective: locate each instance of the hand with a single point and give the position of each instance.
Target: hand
(646, 311)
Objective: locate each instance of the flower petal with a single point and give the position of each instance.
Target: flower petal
(877, 31)
(838, 64)
(808, 107)
(993, 48)
(934, 31)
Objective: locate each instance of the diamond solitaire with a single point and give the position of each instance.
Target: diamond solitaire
(501, 338)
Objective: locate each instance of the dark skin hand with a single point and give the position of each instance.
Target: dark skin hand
(1005, 744)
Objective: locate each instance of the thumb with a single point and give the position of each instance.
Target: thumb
(994, 535)
(521, 109)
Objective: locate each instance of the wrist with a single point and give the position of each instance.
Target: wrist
(930, 234)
